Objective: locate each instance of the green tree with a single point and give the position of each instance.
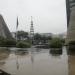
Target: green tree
(22, 34)
(56, 43)
(37, 38)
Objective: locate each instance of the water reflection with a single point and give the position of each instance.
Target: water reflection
(32, 57)
(21, 52)
(38, 49)
(17, 63)
(4, 54)
(55, 52)
(35, 61)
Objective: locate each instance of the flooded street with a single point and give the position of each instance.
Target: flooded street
(36, 62)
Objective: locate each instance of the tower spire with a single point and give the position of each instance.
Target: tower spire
(32, 30)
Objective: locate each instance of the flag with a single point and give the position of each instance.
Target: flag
(17, 23)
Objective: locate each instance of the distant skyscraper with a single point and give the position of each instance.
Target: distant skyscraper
(32, 30)
(68, 11)
(4, 31)
(70, 20)
(69, 5)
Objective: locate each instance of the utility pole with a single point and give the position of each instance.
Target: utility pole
(16, 31)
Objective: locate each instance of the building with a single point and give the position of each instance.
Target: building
(70, 4)
(4, 31)
(46, 34)
(13, 34)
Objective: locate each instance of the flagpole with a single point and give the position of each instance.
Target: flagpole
(17, 63)
(16, 28)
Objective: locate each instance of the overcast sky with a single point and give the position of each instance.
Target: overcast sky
(48, 15)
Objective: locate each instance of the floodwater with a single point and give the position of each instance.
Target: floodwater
(36, 62)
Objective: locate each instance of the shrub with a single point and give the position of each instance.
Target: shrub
(72, 43)
(28, 41)
(56, 43)
(7, 42)
(22, 44)
(1, 41)
(10, 43)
